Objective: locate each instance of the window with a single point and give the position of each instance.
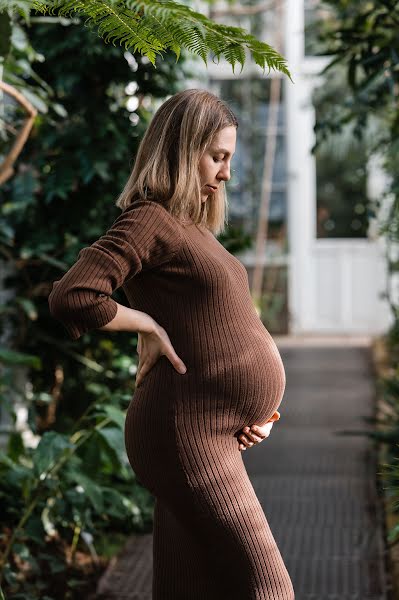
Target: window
(341, 171)
(249, 100)
(315, 12)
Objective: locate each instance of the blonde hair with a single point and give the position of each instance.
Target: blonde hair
(166, 165)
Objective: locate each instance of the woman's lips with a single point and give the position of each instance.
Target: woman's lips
(211, 187)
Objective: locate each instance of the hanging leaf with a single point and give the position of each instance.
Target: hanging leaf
(153, 27)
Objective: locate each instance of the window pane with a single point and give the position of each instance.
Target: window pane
(314, 12)
(341, 172)
(249, 101)
(262, 23)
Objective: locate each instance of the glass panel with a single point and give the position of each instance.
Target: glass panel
(341, 172)
(274, 301)
(249, 101)
(262, 23)
(314, 12)
(342, 202)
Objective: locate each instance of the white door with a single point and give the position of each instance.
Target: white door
(335, 284)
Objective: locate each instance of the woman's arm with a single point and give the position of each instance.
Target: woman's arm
(129, 319)
(142, 237)
(155, 341)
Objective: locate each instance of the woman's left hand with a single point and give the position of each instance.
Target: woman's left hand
(256, 433)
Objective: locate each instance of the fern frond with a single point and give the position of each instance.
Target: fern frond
(153, 26)
(221, 39)
(114, 22)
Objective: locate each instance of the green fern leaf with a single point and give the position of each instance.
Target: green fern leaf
(151, 27)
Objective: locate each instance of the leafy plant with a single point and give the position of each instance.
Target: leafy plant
(69, 488)
(155, 27)
(362, 38)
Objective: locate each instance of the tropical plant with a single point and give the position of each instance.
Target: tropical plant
(151, 28)
(362, 38)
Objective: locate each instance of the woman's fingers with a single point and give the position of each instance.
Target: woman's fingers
(176, 361)
(150, 347)
(253, 436)
(169, 351)
(247, 441)
(142, 371)
(262, 430)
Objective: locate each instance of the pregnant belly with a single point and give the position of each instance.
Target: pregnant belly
(260, 381)
(226, 386)
(241, 383)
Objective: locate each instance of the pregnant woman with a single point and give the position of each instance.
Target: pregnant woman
(210, 378)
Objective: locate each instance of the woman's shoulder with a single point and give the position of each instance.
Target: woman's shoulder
(152, 220)
(146, 206)
(148, 209)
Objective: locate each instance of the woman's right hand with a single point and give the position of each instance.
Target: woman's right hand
(151, 346)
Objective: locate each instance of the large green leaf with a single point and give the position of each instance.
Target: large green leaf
(114, 439)
(13, 357)
(117, 415)
(51, 448)
(91, 489)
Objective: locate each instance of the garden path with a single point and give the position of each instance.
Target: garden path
(318, 487)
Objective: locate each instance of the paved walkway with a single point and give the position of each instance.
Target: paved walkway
(317, 487)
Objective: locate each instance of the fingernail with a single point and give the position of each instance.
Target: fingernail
(182, 369)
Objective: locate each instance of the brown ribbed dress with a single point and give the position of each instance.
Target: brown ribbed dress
(211, 537)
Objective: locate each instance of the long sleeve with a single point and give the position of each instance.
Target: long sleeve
(143, 236)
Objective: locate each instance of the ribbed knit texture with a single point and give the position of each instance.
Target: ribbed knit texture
(211, 536)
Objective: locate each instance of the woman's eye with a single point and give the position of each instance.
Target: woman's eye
(217, 160)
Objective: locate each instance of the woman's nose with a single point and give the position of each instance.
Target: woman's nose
(225, 173)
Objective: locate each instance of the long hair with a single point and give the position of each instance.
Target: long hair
(166, 165)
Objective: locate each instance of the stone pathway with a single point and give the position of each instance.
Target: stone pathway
(317, 486)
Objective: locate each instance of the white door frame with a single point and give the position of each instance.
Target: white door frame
(353, 269)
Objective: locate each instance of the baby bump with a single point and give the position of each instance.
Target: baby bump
(256, 392)
(246, 383)
(222, 401)
(221, 394)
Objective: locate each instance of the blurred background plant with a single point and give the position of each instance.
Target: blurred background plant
(362, 40)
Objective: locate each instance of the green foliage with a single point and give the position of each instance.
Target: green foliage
(155, 27)
(362, 38)
(75, 490)
(72, 488)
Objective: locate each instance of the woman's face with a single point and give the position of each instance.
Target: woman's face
(214, 166)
